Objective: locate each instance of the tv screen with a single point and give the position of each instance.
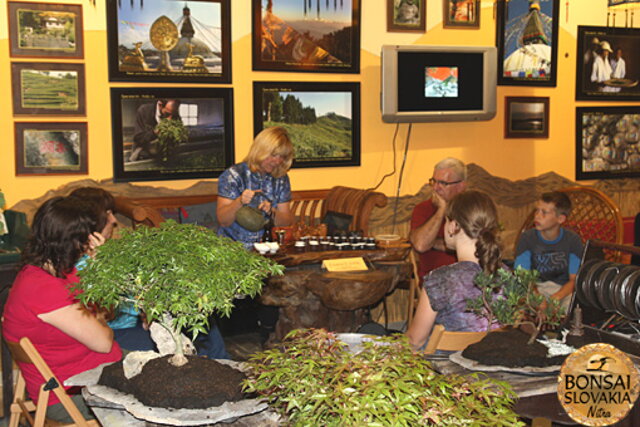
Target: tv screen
(436, 83)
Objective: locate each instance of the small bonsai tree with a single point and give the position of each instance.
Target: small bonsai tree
(171, 133)
(510, 298)
(177, 274)
(314, 379)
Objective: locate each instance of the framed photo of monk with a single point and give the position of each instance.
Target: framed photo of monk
(608, 64)
(306, 36)
(45, 30)
(404, 16)
(169, 41)
(461, 14)
(171, 133)
(527, 39)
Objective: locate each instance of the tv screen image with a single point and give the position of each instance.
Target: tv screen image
(441, 82)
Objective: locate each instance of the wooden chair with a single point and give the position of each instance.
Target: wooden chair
(415, 286)
(25, 352)
(441, 339)
(355, 202)
(593, 216)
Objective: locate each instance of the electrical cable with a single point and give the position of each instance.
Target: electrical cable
(404, 162)
(393, 146)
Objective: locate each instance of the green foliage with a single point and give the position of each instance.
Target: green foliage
(314, 380)
(171, 133)
(511, 299)
(181, 269)
(43, 90)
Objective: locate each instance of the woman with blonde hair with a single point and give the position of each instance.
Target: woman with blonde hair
(260, 181)
(471, 230)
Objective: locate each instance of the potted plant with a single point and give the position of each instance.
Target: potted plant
(176, 274)
(314, 379)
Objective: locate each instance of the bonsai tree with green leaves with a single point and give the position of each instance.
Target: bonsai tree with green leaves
(177, 274)
(510, 298)
(171, 133)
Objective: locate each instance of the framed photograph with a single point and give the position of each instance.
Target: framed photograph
(171, 133)
(323, 119)
(320, 36)
(51, 148)
(45, 30)
(527, 39)
(526, 117)
(169, 41)
(608, 64)
(406, 16)
(607, 142)
(461, 14)
(48, 88)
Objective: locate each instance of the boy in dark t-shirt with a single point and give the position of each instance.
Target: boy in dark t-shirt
(551, 249)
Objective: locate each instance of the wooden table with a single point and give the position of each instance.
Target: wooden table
(309, 297)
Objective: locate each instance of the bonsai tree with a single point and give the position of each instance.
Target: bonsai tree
(314, 379)
(171, 133)
(511, 299)
(177, 274)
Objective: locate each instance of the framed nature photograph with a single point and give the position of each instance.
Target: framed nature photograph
(171, 133)
(527, 39)
(51, 148)
(461, 13)
(608, 64)
(406, 16)
(314, 36)
(323, 119)
(48, 88)
(45, 30)
(526, 117)
(169, 41)
(607, 142)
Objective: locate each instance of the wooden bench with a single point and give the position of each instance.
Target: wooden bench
(309, 206)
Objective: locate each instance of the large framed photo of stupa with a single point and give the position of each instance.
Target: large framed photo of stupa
(169, 41)
(306, 35)
(527, 40)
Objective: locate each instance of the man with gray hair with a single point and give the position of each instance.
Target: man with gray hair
(427, 221)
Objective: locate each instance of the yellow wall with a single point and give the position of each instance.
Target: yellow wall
(479, 142)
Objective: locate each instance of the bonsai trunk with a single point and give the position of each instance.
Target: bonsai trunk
(178, 359)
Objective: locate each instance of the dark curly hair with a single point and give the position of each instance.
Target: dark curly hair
(60, 233)
(477, 215)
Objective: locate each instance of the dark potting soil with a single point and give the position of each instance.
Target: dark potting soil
(201, 383)
(509, 348)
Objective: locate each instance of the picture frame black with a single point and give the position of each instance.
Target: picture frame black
(45, 30)
(406, 17)
(207, 116)
(48, 88)
(526, 117)
(461, 14)
(317, 109)
(592, 67)
(532, 60)
(47, 148)
(606, 142)
(297, 45)
(196, 49)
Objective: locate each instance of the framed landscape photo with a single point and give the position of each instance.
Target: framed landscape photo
(461, 14)
(608, 64)
(527, 40)
(171, 133)
(169, 41)
(51, 148)
(45, 30)
(607, 142)
(406, 16)
(48, 88)
(313, 36)
(323, 119)
(526, 117)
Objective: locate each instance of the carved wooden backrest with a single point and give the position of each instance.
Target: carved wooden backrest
(593, 216)
(355, 202)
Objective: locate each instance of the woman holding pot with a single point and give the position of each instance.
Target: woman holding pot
(259, 182)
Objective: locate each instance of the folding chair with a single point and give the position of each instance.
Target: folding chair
(25, 352)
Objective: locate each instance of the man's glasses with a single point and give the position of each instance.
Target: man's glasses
(433, 182)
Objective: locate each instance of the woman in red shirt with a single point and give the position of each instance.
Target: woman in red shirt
(43, 307)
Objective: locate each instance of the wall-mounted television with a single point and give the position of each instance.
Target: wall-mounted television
(438, 83)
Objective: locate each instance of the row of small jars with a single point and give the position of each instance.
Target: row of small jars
(334, 243)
